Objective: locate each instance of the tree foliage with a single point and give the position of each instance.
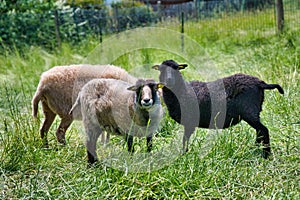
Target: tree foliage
(32, 22)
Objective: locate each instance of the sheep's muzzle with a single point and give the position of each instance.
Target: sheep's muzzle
(146, 98)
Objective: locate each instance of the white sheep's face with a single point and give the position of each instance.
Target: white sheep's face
(146, 93)
(146, 99)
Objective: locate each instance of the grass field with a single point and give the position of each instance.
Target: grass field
(220, 165)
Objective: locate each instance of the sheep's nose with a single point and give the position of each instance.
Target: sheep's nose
(147, 100)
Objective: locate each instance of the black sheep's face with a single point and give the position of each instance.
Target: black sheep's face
(146, 93)
(169, 72)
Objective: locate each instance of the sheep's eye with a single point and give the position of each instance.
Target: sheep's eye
(139, 90)
(151, 85)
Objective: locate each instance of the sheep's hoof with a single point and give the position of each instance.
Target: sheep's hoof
(92, 161)
(266, 152)
(95, 164)
(45, 144)
(131, 150)
(149, 149)
(150, 154)
(184, 151)
(61, 138)
(62, 141)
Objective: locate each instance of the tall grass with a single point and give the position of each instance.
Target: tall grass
(223, 165)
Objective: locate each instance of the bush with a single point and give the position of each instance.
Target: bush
(77, 23)
(19, 29)
(210, 8)
(132, 15)
(34, 23)
(26, 22)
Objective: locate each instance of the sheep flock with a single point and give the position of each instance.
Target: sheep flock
(59, 86)
(108, 99)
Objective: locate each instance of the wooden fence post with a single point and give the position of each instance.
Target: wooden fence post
(182, 30)
(182, 22)
(100, 25)
(117, 19)
(57, 31)
(280, 15)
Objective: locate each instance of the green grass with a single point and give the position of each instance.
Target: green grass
(223, 165)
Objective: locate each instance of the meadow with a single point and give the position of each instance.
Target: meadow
(220, 164)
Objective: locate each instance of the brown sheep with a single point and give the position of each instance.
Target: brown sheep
(58, 88)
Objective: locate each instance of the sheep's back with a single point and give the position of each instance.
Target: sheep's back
(229, 97)
(111, 103)
(61, 84)
(202, 91)
(238, 84)
(56, 86)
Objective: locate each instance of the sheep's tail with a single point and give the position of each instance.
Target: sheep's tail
(75, 105)
(273, 86)
(35, 102)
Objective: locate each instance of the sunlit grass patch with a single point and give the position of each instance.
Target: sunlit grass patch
(222, 164)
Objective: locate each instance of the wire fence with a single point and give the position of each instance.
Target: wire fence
(292, 13)
(71, 24)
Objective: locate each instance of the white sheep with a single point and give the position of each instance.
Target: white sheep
(119, 108)
(60, 85)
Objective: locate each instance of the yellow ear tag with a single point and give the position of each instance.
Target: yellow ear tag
(182, 66)
(160, 85)
(155, 67)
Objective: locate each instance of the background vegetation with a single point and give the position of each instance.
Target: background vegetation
(47, 23)
(231, 169)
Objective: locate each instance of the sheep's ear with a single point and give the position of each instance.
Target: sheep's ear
(182, 66)
(132, 88)
(156, 67)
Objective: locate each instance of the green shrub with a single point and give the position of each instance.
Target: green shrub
(132, 15)
(35, 24)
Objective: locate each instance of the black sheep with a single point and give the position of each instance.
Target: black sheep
(218, 104)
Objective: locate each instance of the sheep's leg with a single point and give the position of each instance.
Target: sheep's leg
(91, 149)
(49, 118)
(129, 140)
(61, 131)
(149, 143)
(93, 132)
(105, 138)
(262, 136)
(188, 131)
